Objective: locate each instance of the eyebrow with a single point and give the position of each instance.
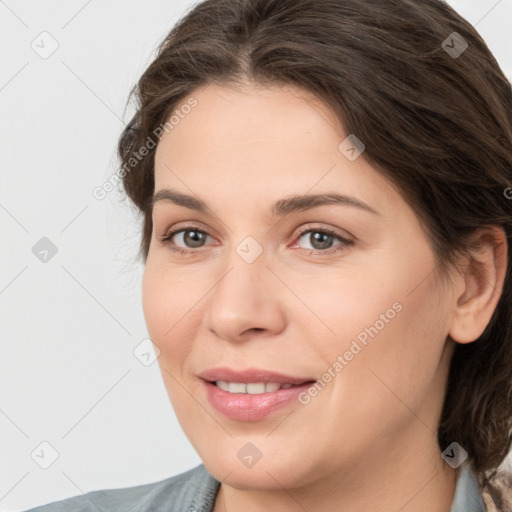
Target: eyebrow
(280, 208)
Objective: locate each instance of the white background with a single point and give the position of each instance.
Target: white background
(69, 326)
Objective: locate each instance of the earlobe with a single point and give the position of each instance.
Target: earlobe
(482, 280)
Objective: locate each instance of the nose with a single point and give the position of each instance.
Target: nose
(245, 302)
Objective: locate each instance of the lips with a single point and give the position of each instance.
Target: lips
(251, 395)
(251, 376)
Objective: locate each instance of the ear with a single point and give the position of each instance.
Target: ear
(481, 281)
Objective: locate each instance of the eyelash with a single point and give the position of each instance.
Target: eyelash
(167, 240)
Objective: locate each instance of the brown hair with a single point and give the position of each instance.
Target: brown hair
(436, 124)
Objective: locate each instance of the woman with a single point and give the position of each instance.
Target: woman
(325, 189)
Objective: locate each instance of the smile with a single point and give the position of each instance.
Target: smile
(252, 388)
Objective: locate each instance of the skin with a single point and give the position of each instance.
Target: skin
(370, 435)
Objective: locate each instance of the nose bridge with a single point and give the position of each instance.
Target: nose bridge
(246, 283)
(245, 297)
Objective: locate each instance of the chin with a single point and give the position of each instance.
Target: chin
(273, 474)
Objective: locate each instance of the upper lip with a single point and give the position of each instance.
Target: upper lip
(250, 375)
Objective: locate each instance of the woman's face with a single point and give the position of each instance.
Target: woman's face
(310, 289)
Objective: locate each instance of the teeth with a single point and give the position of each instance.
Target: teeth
(255, 388)
(252, 388)
(222, 385)
(235, 387)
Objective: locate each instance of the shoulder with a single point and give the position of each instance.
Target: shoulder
(193, 491)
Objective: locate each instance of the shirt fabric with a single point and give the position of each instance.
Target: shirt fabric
(195, 491)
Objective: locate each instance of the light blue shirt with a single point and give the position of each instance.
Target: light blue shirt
(468, 497)
(196, 490)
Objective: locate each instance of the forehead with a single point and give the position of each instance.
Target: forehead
(256, 140)
(249, 118)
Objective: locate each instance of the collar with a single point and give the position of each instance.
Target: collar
(467, 496)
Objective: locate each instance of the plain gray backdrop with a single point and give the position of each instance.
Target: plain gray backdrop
(78, 410)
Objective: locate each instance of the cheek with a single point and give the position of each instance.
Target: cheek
(153, 300)
(397, 367)
(347, 307)
(167, 311)
(168, 315)
(390, 339)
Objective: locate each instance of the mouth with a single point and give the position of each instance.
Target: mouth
(251, 395)
(253, 388)
(252, 376)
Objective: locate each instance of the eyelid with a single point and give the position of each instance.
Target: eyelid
(331, 231)
(186, 225)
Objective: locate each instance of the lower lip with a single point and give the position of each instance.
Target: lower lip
(246, 407)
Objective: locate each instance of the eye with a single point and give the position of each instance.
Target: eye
(321, 240)
(186, 239)
(190, 237)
